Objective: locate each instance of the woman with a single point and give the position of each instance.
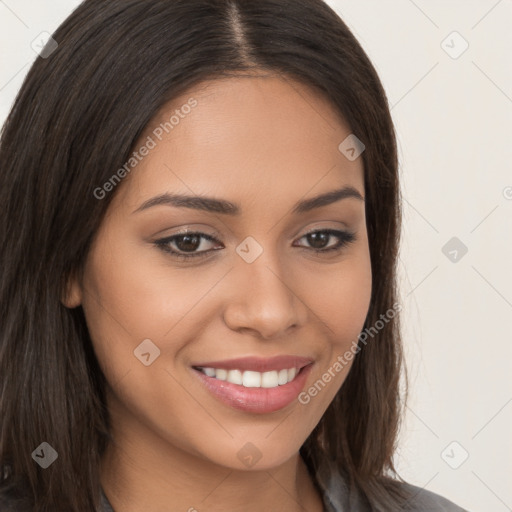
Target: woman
(199, 234)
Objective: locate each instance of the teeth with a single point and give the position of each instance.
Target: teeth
(282, 377)
(234, 376)
(250, 379)
(209, 371)
(269, 379)
(221, 374)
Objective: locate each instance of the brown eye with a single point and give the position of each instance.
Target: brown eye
(319, 239)
(186, 244)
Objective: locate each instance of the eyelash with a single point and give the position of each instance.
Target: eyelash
(345, 238)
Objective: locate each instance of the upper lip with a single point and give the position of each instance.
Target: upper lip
(259, 364)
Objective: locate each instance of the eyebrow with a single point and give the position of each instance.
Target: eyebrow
(214, 205)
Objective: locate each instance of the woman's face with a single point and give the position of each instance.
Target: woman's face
(257, 291)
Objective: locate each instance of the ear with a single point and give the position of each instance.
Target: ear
(71, 296)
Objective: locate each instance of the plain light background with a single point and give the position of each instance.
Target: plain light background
(453, 115)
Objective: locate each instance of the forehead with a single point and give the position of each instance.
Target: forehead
(244, 137)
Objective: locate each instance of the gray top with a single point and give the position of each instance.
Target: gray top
(337, 498)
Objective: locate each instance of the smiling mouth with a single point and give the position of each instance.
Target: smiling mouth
(252, 379)
(255, 384)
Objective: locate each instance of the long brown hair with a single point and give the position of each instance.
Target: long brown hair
(75, 120)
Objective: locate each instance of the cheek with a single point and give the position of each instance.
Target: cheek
(347, 301)
(340, 296)
(119, 303)
(129, 299)
(131, 295)
(340, 300)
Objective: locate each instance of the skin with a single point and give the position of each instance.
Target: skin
(263, 143)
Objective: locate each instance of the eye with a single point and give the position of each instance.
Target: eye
(187, 242)
(319, 239)
(187, 245)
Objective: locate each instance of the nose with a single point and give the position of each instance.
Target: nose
(263, 300)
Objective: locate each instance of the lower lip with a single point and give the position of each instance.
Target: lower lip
(257, 400)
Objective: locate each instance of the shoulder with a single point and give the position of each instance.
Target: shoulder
(339, 496)
(426, 501)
